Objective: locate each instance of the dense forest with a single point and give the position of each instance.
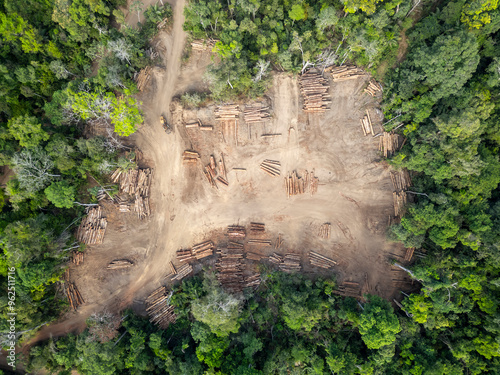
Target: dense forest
(69, 64)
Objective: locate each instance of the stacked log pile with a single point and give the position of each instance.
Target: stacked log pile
(253, 256)
(227, 112)
(279, 242)
(119, 264)
(124, 207)
(230, 268)
(203, 250)
(342, 73)
(319, 260)
(159, 309)
(92, 228)
(257, 227)
(214, 173)
(182, 272)
(252, 281)
(142, 193)
(325, 230)
(349, 289)
(389, 143)
(373, 87)
(74, 296)
(143, 78)
(185, 255)
(401, 180)
(409, 254)
(199, 125)
(77, 257)
(236, 231)
(190, 156)
(295, 185)
(291, 263)
(275, 258)
(399, 198)
(203, 45)
(271, 167)
(314, 89)
(256, 113)
(366, 124)
(259, 242)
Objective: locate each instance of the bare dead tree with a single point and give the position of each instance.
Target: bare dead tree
(121, 48)
(33, 169)
(262, 65)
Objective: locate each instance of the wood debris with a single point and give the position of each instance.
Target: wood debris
(325, 230)
(279, 242)
(182, 272)
(227, 112)
(271, 167)
(314, 89)
(344, 72)
(257, 227)
(230, 267)
(92, 228)
(118, 264)
(319, 260)
(409, 254)
(74, 296)
(77, 257)
(295, 185)
(256, 113)
(159, 309)
(143, 78)
(373, 87)
(401, 180)
(190, 156)
(237, 231)
(366, 124)
(399, 198)
(291, 263)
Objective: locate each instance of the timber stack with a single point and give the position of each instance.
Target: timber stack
(325, 230)
(77, 257)
(399, 198)
(259, 242)
(236, 231)
(253, 256)
(366, 124)
(185, 255)
(119, 264)
(256, 113)
(401, 180)
(373, 87)
(295, 185)
(203, 45)
(214, 172)
(142, 193)
(182, 272)
(159, 309)
(345, 72)
(199, 125)
(275, 258)
(230, 267)
(409, 254)
(143, 78)
(291, 263)
(271, 167)
(227, 112)
(252, 281)
(190, 156)
(389, 143)
(92, 228)
(257, 227)
(74, 296)
(203, 250)
(319, 260)
(349, 289)
(314, 89)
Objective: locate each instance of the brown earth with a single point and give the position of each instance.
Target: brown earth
(186, 210)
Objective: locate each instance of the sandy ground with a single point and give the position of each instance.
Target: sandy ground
(186, 210)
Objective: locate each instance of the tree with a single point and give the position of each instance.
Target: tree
(33, 169)
(378, 325)
(27, 130)
(121, 48)
(367, 6)
(297, 13)
(475, 12)
(136, 6)
(61, 193)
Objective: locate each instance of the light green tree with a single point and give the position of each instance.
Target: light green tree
(61, 193)
(27, 130)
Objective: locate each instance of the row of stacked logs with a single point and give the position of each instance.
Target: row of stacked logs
(373, 87)
(198, 251)
(159, 309)
(230, 267)
(190, 157)
(118, 264)
(256, 113)
(366, 124)
(92, 228)
(227, 112)
(74, 296)
(344, 72)
(271, 167)
(216, 172)
(77, 257)
(295, 185)
(289, 263)
(319, 260)
(182, 272)
(198, 125)
(389, 143)
(314, 89)
(143, 78)
(325, 230)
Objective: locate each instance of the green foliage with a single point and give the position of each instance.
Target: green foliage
(27, 130)
(61, 194)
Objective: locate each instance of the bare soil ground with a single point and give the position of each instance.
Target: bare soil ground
(186, 210)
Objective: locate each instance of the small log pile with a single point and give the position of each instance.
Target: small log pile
(401, 180)
(366, 124)
(124, 207)
(141, 205)
(119, 264)
(295, 185)
(185, 255)
(389, 143)
(275, 258)
(230, 268)
(399, 198)
(314, 89)
(77, 257)
(203, 45)
(256, 113)
(74, 296)
(190, 156)
(203, 250)
(373, 87)
(92, 228)
(271, 167)
(409, 254)
(254, 256)
(319, 260)
(325, 230)
(257, 227)
(159, 309)
(182, 272)
(342, 73)
(349, 289)
(199, 125)
(227, 112)
(291, 263)
(252, 281)
(259, 242)
(279, 242)
(236, 231)
(143, 78)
